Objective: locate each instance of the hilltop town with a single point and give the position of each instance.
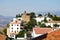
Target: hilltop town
(28, 26)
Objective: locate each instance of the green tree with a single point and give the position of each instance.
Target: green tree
(43, 25)
(7, 25)
(49, 15)
(49, 26)
(18, 15)
(55, 25)
(31, 24)
(32, 15)
(5, 31)
(39, 15)
(45, 20)
(39, 23)
(56, 18)
(20, 34)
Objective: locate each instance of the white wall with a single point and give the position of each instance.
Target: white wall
(51, 24)
(40, 19)
(47, 24)
(16, 19)
(14, 28)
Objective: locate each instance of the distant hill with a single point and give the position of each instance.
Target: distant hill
(4, 20)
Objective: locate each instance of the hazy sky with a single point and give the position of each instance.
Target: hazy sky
(13, 7)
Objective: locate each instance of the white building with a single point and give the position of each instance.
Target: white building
(51, 23)
(40, 19)
(14, 27)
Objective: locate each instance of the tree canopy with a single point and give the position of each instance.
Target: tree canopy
(55, 25)
(39, 15)
(21, 34)
(31, 24)
(32, 15)
(5, 31)
(56, 18)
(18, 15)
(45, 20)
(49, 15)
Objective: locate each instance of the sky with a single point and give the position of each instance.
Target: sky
(13, 7)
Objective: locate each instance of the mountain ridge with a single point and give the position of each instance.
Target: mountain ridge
(4, 20)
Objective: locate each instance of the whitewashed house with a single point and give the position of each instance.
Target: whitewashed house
(40, 19)
(51, 23)
(14, 27)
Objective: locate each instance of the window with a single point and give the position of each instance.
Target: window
(16, 21)
(49, 20)
(12, 25)
(17, 25)
(15, 31)
(12, 28)
(19, 19)
(12, 31)
(17, 28)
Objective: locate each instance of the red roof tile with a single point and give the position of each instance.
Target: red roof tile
(41, 30)
(54, 35)
(16, 22)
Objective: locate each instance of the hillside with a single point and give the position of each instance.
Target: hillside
(4, 20)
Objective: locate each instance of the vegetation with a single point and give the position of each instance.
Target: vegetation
(56, 25)
(49, 26)
(39, 15)
(39, 23)
(29, 35)
(45, 20)
(43, 25)
(31, 24)
(7, 25)
(56, 18)
(49, 15)
(18, 15)
(21, 34)
(5, 31)
(1, 33)
(32, 15)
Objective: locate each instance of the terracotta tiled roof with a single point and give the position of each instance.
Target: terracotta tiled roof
(16, 22)
(2, 37)
(54, 35)
(41, 30)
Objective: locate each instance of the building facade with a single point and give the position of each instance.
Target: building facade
(40, 19)
(14, 28)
